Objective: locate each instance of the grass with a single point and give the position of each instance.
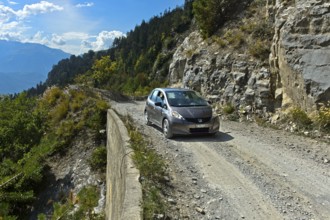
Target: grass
(228, 109)
(152, 170)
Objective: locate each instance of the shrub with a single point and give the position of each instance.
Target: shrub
(52, 95)
(322, 118)
(98, 160)
(260, 49)
(299, 117)
(222, 43)
(60, 111)
(228, 109)
(234, 37)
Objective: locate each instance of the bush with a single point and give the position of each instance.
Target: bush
(98, 160)
(260, 49)
(234, 38)
(228, 109)
(222, 43)
(322, 118)
(299, 117)
(211, 14)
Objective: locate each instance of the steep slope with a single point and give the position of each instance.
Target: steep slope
(23, 65)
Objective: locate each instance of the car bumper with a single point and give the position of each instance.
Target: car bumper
(183, 127)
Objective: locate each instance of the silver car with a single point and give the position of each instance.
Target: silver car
(180, 111)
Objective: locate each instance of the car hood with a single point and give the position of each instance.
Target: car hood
(194, 112)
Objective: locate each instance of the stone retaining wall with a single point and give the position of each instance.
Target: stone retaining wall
(124, 193)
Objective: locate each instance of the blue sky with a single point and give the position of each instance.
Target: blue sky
(76, 26)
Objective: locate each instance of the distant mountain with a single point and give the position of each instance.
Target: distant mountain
(23, 65)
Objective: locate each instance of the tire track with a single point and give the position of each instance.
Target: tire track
(247, 200)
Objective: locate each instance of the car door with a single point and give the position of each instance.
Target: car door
(158, 111)
(151, 105)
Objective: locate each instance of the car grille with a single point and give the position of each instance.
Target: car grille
(199, 130)
(198, 120)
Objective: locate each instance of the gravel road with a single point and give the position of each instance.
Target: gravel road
(244, 172)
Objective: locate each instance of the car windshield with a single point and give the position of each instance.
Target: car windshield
(185, 99)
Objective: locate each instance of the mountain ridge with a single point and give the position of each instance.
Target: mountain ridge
(23, 65)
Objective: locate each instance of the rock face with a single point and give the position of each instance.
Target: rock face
(225, 77)
(299, 71)
(301, 52)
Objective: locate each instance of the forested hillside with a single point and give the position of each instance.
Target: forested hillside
(134, 64)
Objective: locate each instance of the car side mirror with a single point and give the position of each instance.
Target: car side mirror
(165, 106)
(158, 104)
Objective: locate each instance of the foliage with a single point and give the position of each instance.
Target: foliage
(77, 208)
(88, 199)
(228, 109)
(260, 49)
(322, 118)
(98, 161)
(212, 14)
(299, 117)
(234, 38)
(33, 129)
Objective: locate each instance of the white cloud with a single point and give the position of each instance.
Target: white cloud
(105, 39)
(75, 36)
(58, 40)
(12, 2)
(16, 25)
(6, 13)
(86, 4)
(10, 36)
(38, 8)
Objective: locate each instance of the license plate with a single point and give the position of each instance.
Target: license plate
(201, 126)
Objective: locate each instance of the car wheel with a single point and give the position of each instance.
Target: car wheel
(167, 131)
(146, 118)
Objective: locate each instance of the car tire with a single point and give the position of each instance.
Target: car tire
(167, 131)
(146, 118)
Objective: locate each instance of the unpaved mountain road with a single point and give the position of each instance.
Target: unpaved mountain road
(244, 172)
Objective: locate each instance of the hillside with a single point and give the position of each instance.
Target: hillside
(23, 65)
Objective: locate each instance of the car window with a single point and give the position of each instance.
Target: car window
(185, 99)
(160, 97)
(154, 96)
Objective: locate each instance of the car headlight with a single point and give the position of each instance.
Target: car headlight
(176, 115)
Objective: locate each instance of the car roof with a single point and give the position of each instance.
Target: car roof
(174, 89)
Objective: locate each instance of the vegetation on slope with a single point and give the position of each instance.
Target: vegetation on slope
(34, 129)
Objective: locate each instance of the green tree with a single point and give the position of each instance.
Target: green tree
(211, 14)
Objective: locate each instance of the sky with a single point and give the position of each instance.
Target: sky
(76, 26)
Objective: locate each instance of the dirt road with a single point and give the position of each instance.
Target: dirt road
(244, 172)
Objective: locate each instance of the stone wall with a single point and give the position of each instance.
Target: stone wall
(124, 193)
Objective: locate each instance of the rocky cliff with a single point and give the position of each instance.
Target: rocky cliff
(300, 55)
(223, 76)
(298, 71)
